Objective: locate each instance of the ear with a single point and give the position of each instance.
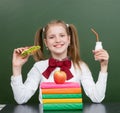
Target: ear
(69, 38)
(45, 41)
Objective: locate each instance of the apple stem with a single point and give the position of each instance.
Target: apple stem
(58, 69)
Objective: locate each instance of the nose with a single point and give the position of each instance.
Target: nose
(57, 39)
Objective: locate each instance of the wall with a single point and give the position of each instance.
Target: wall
(19, 20)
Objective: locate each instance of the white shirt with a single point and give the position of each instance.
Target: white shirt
(24, 91)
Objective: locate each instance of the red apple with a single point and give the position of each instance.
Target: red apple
(60, 77)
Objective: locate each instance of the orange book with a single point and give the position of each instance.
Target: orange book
(62, 91)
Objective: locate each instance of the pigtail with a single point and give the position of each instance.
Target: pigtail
(73, 50)
(38, 40)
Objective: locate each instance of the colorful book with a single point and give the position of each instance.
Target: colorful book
(61, 91)
(50, 85)
(63, 106)
(67, 96)
(63, 100)
(45, 96)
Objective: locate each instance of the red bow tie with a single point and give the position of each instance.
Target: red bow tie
(64, 66)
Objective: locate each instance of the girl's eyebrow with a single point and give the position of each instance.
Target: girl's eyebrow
(51, 35)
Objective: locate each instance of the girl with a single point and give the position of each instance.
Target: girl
(62, 41)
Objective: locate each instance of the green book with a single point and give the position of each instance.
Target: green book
(45, 96)
(63, 106)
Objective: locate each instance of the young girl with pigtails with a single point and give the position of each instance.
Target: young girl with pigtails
(62, 42)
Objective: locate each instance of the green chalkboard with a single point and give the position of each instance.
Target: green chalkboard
(19, 20)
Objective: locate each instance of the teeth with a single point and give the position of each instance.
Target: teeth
(58, 45)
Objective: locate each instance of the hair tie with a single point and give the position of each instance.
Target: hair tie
(67, 25)
(43, 29)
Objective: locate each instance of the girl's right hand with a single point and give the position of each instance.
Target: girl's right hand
(18, 60)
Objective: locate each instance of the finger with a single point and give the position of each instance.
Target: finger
(19, 50)
(102, 57)
(101, 53)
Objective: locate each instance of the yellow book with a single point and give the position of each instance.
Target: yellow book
(71, 100)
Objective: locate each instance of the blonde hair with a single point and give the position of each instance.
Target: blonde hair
(73, 48)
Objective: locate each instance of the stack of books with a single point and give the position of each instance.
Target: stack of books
(67, 96)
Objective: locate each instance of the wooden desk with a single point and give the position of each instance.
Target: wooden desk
(88, 108)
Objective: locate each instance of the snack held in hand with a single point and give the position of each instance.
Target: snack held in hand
(60, 77)
(30, 51)
(98, 43)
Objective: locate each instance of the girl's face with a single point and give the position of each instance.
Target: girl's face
(57, 40)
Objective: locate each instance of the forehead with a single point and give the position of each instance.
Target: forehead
(55, 28)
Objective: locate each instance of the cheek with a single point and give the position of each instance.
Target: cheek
(49, 45)
(47, 42)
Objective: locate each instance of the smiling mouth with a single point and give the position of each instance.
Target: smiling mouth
(58, 45)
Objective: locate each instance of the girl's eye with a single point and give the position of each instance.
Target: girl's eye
(51, 37)
(62, 35)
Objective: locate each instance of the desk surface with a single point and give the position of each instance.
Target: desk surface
(88, 108)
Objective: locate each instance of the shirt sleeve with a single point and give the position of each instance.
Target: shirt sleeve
(24, 91)
(95, 91)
